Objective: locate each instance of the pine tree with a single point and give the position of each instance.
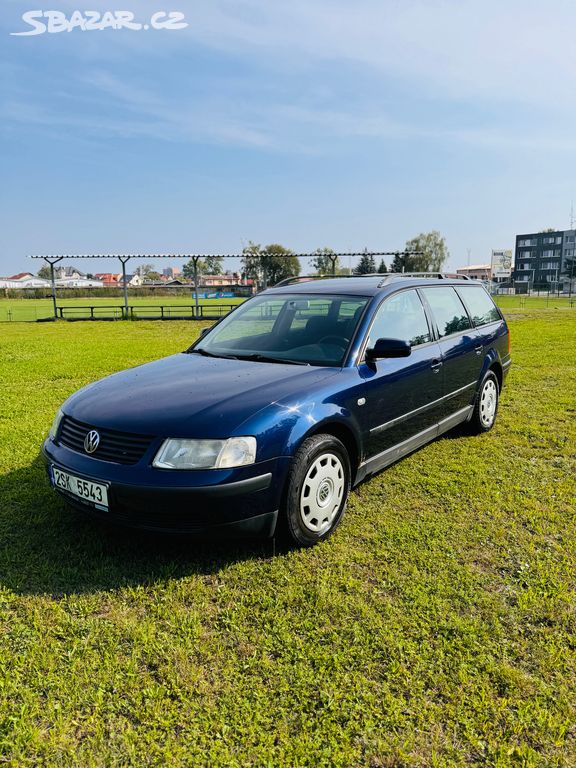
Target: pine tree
(366, 265)
(382, 269)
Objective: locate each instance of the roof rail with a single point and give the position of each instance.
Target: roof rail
(299, 279)
(433, 275)
(307, 278)
(384, 276)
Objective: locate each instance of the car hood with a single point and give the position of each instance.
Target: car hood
(186, 395)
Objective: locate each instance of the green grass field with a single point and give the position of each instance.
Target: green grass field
(23, 310)
(436, 628)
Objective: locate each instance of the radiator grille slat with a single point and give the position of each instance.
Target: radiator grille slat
(118, 447)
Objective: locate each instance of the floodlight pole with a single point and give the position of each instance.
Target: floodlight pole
(51, 261)
(123, 260)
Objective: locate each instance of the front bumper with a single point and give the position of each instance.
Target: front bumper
(237, 501)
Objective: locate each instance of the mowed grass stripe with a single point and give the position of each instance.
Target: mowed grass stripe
(437, 627)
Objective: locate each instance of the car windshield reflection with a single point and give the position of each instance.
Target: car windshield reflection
(291, 328)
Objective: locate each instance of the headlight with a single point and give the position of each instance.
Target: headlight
(206, 454)
(55, 424)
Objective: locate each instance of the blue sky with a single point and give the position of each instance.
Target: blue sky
(324, 123)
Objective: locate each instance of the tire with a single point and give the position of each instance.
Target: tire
(486, 405)
(317, 490)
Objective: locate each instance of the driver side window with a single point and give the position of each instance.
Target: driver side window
(401, 316)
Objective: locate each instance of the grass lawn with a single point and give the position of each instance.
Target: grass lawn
(436, 628)
(536, 302)
(21, 310)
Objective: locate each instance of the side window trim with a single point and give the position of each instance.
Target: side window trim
(429, 315)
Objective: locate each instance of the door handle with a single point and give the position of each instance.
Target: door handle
(436, 365)
(479, 349)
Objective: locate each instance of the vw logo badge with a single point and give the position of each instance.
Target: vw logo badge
(91, 441)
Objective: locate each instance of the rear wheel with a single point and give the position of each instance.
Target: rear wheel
(317, 490)
(486, 405)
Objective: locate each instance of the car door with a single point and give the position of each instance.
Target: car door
(460, 346)
(401, 394)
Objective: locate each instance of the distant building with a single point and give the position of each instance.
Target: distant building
(68, 272)
(131, 280)
(79, 282)
(228, 279)
(23, 280)
(476, 271)
(109, 279)
(540, 259)
(171, 272)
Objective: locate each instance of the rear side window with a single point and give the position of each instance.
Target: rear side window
(480, 305)
(448, 310)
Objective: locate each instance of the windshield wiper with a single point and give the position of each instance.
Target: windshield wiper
(202, 351)
(268, 359)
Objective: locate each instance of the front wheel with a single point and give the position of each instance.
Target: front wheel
(317, 490)
(486, 405)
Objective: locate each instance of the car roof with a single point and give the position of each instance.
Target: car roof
(362, 285)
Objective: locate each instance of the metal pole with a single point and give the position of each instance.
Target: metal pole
(333, 259)
(196, 309)
(52, 280)
(123, 261)
(51, 263)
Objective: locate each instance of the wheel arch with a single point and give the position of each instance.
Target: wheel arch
(496, 368)
(346, 436)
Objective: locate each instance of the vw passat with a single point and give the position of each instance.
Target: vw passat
(273, 414)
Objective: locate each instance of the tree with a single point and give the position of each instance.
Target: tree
(269, 265)
(431, 259)
(188, 268)
(252, 262)
(44, 273)
(325, 263)
(153, 276)
(214, 265)
(382, 269)
(144, 269)
(366, 265)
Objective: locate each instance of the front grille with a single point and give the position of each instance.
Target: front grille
(118, 447)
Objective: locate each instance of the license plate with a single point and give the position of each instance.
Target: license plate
(87, 490)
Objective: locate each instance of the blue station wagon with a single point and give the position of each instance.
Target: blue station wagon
(269, 419)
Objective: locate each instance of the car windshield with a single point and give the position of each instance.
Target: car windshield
(289, 328)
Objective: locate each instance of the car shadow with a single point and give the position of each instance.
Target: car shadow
(456, 433)
(48, 548)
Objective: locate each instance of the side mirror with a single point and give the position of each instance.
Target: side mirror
(388, 348)
(203, 332)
